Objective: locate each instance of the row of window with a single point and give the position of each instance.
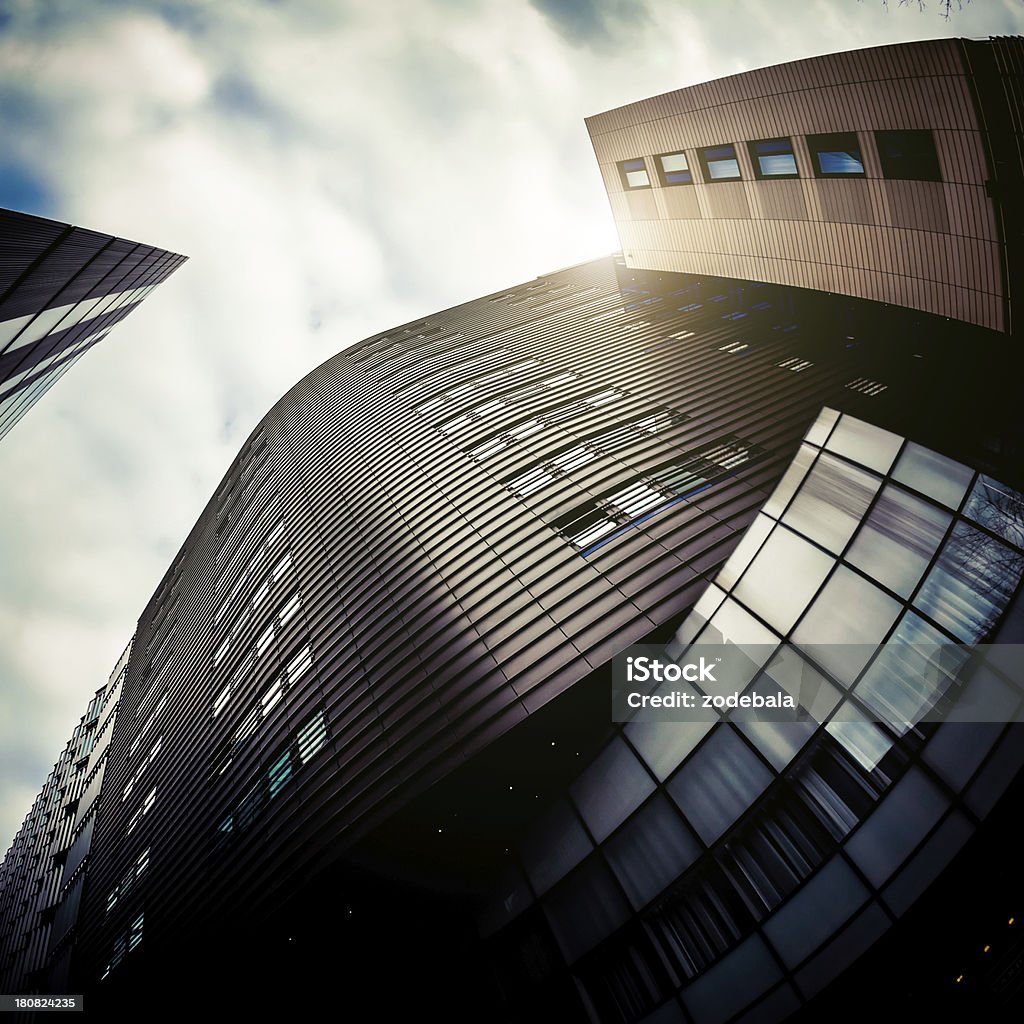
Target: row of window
(513, 400)
(598, 517)
(125, 943)
(134, 872)
(552, 417)
(456, 366)
(625, 435)
(144, 764)
(907, 154)
(477, 386)
(259, 556)
(306, 743)
(141, 811)
(261, 593)
(297, 668)
(146, 725)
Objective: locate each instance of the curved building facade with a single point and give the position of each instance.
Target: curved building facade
(409, 589)
(890, 173)
(363, 742)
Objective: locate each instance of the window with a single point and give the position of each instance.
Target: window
(141, 811)
(836, 155)
(908, 154)
(720, 163)
(291, 759)
(280, 772)
(773, 158)
(634, 174)
(136, 869)
(673, 169)
(147, 760)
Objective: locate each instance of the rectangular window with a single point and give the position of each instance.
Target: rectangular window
(298, 666)
(908, 154)
(141, 811)
(134, 871)
(719, 163)
(311, 737)
(673, 169)
(222, 698)
(273, 694)
(289, 609)
(265, 640)
(836, 155)
(773, 158)
(147, 760)
(634, 174)
(280, 772)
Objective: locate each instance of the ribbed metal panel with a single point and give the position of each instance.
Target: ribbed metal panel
(52, 266)
(935, 246)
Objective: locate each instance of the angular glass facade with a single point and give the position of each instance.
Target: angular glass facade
(62, 289)
(753, 860)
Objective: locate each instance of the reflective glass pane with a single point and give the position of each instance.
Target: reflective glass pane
(816, 911)
(664, 745)
(554, 846)
(733, 983)
(803, 682)
(674, 162)
(971, 584)
(778, 741)
(695, 621)
(745, 551)
(790, 481)
(840, 162)
(901, 821)
(718, 783)
(850, 614)
(279, 773)
(933, 474)
(910, 674)
(783, 578)
(781, 164)
(585, 908)
(831, 503)
(998, 508)
(864, 740)
(651, 851)
(611, 788)
(721, 170)
(864, 443)
(898, 540)
(822, 426)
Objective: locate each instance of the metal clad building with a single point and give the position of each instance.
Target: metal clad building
(62, 289)
(890, 173)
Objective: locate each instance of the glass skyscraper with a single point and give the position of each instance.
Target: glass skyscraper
(62, 289)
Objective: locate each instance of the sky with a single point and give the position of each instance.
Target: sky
(332, 168)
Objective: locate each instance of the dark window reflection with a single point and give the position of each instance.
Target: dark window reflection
(998, 508)
(971, 584)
